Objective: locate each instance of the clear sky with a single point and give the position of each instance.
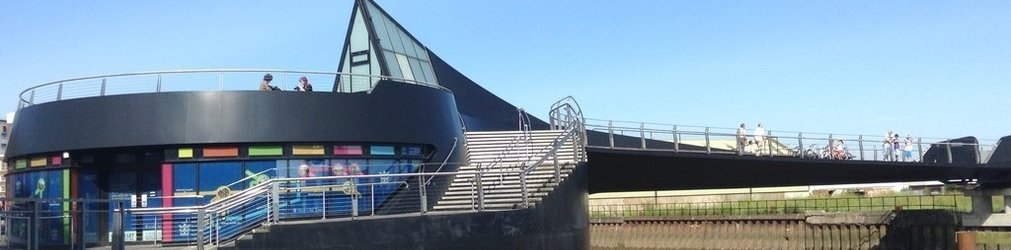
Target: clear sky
(926, 68)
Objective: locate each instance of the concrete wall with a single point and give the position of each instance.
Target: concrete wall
(880, 230)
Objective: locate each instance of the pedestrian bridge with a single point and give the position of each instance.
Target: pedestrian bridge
(627, 156)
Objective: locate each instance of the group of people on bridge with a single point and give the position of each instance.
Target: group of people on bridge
(303, 84)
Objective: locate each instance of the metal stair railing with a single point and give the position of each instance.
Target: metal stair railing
(565, 115)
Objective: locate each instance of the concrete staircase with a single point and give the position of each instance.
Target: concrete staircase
(501, 155)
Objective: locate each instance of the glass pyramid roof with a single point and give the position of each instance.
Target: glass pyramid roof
(376, 45)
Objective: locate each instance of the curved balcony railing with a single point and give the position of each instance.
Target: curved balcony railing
(717, 140)
(199, 80)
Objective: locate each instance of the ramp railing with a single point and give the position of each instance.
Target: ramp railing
(809, 145)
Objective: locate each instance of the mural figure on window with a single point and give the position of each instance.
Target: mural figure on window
(348, 187)
(40, 189)
(256, 179)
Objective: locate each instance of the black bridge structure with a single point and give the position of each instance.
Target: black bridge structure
(625, 156)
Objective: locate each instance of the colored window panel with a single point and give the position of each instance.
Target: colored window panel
(21, 164)
(381, 150)
(216, 176)
(259, 172)
(265, 151)
(221, 152)
(307, 150)
(184, 183)
(56, 160)
(411, 151)
(347, 150)
(185, 153)
(38, 162)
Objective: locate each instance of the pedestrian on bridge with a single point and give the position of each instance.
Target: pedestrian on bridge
(742, 139)
(759, 139)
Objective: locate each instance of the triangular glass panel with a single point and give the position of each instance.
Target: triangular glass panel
(402, 57)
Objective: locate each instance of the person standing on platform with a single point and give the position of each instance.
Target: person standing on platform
(742, 139)
(908, 148)
(303, 85)
(265, 84)
(888, 146)
(760, 139)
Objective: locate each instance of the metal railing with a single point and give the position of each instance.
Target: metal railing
(958, 203)
(717, 140)
(565, 115)
(34, 223)
(198, 80)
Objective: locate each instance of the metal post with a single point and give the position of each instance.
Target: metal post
(919, 147)
(354, 198)
(201, 224)
(372, 194)
(423, 196)
(800, 144)
(480, 191)
(523, 187)
(31, 99)
(610, 134)
(84, 222)
(324, 203)
(979, 157)
(709, 149)
(221, 81)
(947, 145)
(558, 169)
(158, 88)
(275, 201)
(35, 227)
(676, 139)
(118, 230)
(642, 134)
(59, 92)
(861, 143)
(102, 93)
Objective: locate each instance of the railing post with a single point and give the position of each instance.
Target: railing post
(158, 88)
(102, 93)
(610, 134)
(979, 154)
(31, 99)
(709, 149)
(221, 81)
(480, 190)
(422, 195)
(354, 198)
(523, 188)
(275, 201)
(948, 146)
(35, 225)
(677, 140)
(861, 144)
(800, 144)
(642, 134)
(201, 224)
(59, 92)
(919, 147)
(118, 230)
(353, 212)
(558, 169)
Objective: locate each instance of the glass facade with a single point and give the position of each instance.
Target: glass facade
(194, 177)
(401, 55)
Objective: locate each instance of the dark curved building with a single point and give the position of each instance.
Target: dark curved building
(395, 108)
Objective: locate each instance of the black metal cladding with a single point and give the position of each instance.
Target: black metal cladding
(392, 113)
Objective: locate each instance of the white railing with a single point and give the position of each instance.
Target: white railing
(717, 140)
(199, 80)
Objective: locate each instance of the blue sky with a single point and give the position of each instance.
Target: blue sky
(927, 68)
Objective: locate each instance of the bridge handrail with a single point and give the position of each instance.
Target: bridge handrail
(861, 147)
(92, 86)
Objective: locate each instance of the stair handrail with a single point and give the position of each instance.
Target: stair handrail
(456, 140)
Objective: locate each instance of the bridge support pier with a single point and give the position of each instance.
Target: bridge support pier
(982, 214)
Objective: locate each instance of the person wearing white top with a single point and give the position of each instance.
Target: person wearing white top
(760, 138)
